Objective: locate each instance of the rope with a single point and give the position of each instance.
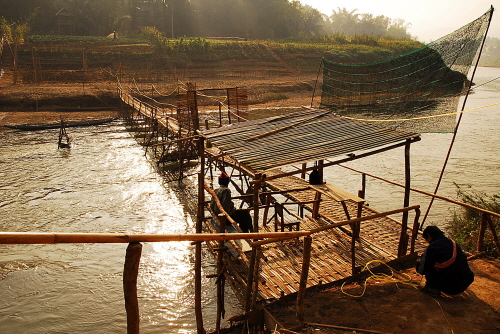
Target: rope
(391, 278)
(382, 277)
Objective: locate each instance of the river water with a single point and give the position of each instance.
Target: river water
(104, 183)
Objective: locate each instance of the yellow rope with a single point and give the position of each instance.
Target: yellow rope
(382, 277)
(392, 278)
(417, 118)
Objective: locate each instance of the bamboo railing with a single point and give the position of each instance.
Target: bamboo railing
(486, 215)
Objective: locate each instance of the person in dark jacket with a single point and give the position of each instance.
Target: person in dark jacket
(443, 264)
(224, 195)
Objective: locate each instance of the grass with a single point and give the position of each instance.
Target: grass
(465, 223)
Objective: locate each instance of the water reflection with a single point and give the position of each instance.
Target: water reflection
(104, 183)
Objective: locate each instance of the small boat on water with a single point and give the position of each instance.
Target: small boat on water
(57, 125)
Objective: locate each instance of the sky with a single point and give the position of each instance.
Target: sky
(430, 19)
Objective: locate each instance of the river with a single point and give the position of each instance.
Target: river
(105, 183)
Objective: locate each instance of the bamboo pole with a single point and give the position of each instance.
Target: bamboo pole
(130, 272)
(496, 214)
(306, 260)
(356, 220)
(17, 238)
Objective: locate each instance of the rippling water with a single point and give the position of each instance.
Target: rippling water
(104, 183)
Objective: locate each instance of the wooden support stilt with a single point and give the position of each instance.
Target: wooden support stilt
(220, 268)
(493, 231)
(317, 201)
(306, 259)
(256, 202)
(266, 209)
(303, 171)
(403, 241)
(130, 272)
(353, 255)
(321, 169)
(197, 290)
(256, 278)
(251, 266)
(414, 233)
(482, 230)
(220, 114)
(197, 264)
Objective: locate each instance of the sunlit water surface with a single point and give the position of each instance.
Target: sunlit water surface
(104, 183)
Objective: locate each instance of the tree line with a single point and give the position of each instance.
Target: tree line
(252, 19)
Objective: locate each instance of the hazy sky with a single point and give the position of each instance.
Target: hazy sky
(430, 19)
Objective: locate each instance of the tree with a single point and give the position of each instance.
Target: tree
(343, 21)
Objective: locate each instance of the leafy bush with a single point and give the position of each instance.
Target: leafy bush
(465, 224)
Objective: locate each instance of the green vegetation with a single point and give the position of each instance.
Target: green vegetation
(465, 224)
(251, 19)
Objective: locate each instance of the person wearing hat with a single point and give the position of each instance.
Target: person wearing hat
(224, 195)
(443, 264)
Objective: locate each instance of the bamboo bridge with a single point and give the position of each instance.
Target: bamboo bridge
(342, 232)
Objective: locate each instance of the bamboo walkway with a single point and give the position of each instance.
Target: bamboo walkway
(280, 263)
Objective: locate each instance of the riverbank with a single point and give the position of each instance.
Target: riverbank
(390, 307)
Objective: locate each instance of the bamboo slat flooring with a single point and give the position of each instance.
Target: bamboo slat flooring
(281, 262)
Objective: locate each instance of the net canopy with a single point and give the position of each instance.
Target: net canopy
(410, 91)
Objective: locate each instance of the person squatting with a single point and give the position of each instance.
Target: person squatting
(443, 264)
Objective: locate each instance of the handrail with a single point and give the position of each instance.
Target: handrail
(426, 193)
(61, 238)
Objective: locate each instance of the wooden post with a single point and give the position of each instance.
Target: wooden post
(414, 233)
(266, 209)
(256, 277)
(197, 289)
(317, 200)
(130, 272)
(256, 188)
(353, 255)
(403, 240)
(197, 263)
(306, 259)
(251, 266)
(362, 191)
(320, 169)
(220, 275)
(220, 114)
(493, 231)
(303, 172)
(482, 230)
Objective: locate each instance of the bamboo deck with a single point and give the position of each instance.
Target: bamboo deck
(280, 262)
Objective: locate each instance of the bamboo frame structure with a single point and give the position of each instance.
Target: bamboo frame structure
(288, 266)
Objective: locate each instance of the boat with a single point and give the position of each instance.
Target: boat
(35, 127)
